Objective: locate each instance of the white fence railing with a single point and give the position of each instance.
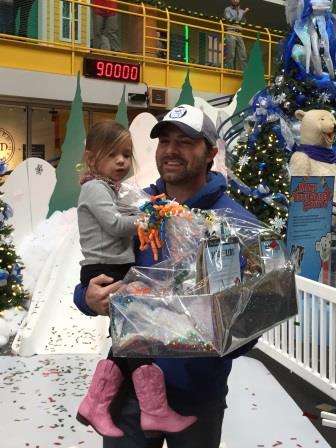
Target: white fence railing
(306, 344)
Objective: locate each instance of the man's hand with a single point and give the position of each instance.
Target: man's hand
(246, 10)
(98, 291)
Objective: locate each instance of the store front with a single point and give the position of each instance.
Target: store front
(38, 130)
(28, 130)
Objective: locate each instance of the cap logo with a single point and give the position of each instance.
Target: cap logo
(178, 112)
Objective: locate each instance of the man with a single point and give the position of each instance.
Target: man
(195, 386)
(235, 52)
(105, 26)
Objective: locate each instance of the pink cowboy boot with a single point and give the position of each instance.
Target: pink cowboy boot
(156, 415)
(94, 409)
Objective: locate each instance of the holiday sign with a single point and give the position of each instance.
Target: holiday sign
(309, 226)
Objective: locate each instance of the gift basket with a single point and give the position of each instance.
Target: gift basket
(224, 282)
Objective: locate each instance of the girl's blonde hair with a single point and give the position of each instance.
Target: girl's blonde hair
(103, 139)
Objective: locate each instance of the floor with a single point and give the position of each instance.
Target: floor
(310, 400)
(39, 396)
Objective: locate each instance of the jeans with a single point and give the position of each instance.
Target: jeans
(235, 53)
(6, 18)
(205, 433)
(106, 32)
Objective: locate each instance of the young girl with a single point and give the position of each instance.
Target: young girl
(106, 239)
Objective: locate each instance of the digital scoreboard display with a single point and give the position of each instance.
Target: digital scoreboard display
(115, 71)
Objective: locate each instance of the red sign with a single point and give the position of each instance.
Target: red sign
(116, 71)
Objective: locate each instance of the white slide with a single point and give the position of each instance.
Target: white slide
(51, 256)
(53, 323)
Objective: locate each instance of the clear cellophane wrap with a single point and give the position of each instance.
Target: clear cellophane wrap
(225, 282)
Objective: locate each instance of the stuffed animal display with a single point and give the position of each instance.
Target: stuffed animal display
(315, 155)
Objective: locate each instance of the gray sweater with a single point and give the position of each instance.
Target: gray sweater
(106, 237)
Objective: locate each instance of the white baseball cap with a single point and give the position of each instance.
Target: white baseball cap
(191, 121)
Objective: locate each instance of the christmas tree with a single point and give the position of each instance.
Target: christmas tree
(259, 176)
(303, 80)
(12, 292)
(292, 93)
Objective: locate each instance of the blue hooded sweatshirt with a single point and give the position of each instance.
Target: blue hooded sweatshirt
(192, 380)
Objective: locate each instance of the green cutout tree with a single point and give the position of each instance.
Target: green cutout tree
(121, 115)
(253, 79)
(186, 95)
(122, 118)
(65, 194)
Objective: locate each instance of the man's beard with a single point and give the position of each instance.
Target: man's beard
(185, 174)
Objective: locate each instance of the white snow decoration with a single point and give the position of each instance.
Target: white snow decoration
(10, 320)
(36, 247)
(144, 149)
(4, 332)
(28, 193)
(53, 323)
(217, 114)
(278, 223)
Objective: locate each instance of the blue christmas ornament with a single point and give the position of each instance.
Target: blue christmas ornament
(3, 277)
(301, 99)
(16, 271)
(262, 166)
(8, 212)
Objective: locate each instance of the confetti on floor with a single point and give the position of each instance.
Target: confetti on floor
(269, 416)
(39, 397)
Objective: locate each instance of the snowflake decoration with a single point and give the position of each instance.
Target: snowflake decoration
(39, 169)
(278, 223)
(325, 97)
(280, 98)
(243, 160)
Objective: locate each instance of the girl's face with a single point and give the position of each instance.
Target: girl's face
(117, 164)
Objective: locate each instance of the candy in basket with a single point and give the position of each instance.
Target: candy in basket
(220, 292)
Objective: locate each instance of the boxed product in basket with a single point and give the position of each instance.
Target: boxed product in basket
(225, 282)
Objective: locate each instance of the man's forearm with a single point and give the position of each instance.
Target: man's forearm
(80, 302)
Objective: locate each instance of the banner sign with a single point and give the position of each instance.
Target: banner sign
(309, 226)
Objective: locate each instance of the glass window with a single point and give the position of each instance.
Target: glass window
(13, 134)
(102, 116)
(66, 18)
(49, 127)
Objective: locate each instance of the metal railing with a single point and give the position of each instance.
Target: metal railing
(148, 35)
(306, 344)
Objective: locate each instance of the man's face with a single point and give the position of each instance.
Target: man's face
(179, 158)
(235, 2)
